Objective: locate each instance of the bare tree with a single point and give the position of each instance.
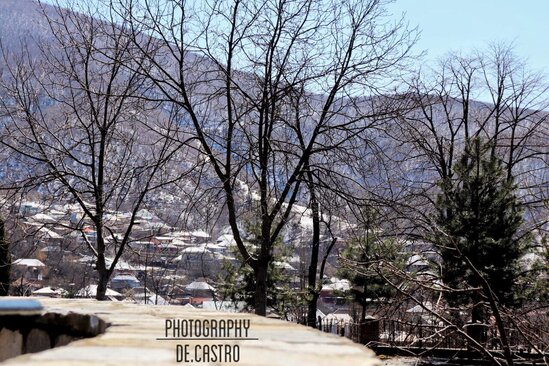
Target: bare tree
(5, 260)
(76, 122)
(231, 67)
(426, 141)
(444, 112)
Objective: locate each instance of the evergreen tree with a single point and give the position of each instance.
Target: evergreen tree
(480, 216)
(5, 261)
(237, 282)
(367, 285)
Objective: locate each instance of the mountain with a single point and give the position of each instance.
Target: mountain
(23, 20)
(407, 163)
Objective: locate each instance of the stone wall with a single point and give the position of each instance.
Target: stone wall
(21, 333)
(146, 335)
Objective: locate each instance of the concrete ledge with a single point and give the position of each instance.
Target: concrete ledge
(137, 336)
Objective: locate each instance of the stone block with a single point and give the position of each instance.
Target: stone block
(11, 344)
(82, 325)
(63, 340)
(37, 340)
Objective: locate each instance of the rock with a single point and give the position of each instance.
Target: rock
(63, 340)
(11, 344)
(37, 341)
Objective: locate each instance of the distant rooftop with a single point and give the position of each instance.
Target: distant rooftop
(28, 262)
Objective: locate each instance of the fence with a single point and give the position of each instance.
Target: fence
(403, 333)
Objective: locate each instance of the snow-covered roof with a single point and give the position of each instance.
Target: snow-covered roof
(294, 259)
(157, 225)
(163, 238)
(199, 285)
(50, 248)
(152, 299)
(116, 216)
(91, 291)
(199, 249)
(32, 204)
(55, 212)
(87, 259)
(218, 256)
(137, 294)
(320, 313)
(226, 239)
(175, 234)
(417, 260)
(284, 265)
(49, 233)
(42, 218)
(421, 309)
(72, 207)
(120, 265)
(200, 234)
(187, 234)
(225, 306)
(181, 243)
(29, 262)
(50, 291)
(145, 214)
(337, 284)
(168, 246)
(213, 246)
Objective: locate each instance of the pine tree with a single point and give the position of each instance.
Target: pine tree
(480, 217)
(5, 261)
(367, 285)
(237, 282)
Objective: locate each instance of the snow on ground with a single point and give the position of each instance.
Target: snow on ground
(399, 361)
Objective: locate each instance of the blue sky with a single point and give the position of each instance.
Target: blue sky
(463, 25)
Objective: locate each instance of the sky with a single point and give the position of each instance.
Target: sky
(464, 25)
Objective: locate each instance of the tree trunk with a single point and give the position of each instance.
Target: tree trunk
(495, 310)
(311, 313)
(475, 328)
(260, 272)
(313, 266)
(103, 278)
(5, 261)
